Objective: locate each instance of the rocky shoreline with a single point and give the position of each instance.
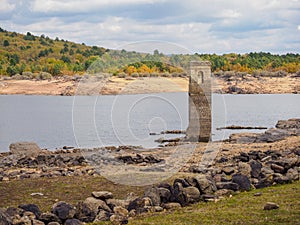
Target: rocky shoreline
(227, 83)
(254, 166)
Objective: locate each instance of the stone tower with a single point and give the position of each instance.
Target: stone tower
(200, 102)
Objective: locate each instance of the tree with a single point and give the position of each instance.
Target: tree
(5, 43)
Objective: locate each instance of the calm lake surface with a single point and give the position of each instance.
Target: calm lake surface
(90, 121)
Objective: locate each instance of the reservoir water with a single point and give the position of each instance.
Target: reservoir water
(92, 121)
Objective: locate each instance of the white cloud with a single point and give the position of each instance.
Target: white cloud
(199, 25)
(5, 6)
(79, 5)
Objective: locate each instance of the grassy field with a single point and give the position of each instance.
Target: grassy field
(242, 208)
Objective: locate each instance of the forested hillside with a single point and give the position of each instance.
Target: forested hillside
(32, 54)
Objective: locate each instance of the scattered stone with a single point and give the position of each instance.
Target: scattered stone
(37, 194)
(223, 192)
(63, 210)
(73, 222)
(277, 168)
(31, 208)
(84, 213)
(271, 206)
(96, 204)
(255, 168)
(257, 194)
(37, 222)
(119, 210)
(171, 205)
(228, 170)
(228, 185)
(103, 195)
(53, 223)
(102, 216)
(49, 217)
(4, 218)
(193, 194)
(243, 182)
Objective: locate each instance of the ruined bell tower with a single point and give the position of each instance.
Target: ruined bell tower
(200, 118)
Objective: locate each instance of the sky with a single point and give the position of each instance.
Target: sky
(172, 26)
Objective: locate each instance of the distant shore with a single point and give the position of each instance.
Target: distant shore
(68, 86)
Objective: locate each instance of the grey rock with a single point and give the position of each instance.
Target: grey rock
(103, 195)
(255, 168)
(4, 218)
(205, 185)
(193, 194)
(119, 210)
(281, 179)
(171, 205)
(11, 211)
(154, 195)
(228, 185)
(25, 148)
(102, 216)
(31, 208)
(223, 192)
(37, 222)
(73, 222)
(138, 205)
(53, 223)
(271, 206)
(165, 194)
(49, 217)
(243, 182)
(244, 168)
(179, 195)
(292, 174)
(228, 170)
(277, 169)
(116, 202)
(84, 213)
(63, 210)
(96, 204)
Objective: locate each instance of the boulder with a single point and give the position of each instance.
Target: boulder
(63, 210)
(11, 211)
(25, 148)
(4, 218)
(179, 195)
(31, 208)
(204, 184)
(103, 195)
(192, 193)
(277, 169)
(102, 216)
(292, 174)
(171, 205)
(119, 210)
(96, 204)
(116, 202)
(228, 185)
(271, 206)
(138, 205)
(244, 168)
(37, 222)
(84, 213)
(165, 194)
(243, 182)
(73, 222)
(154, 195)
(49, 217)
(255, 168)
